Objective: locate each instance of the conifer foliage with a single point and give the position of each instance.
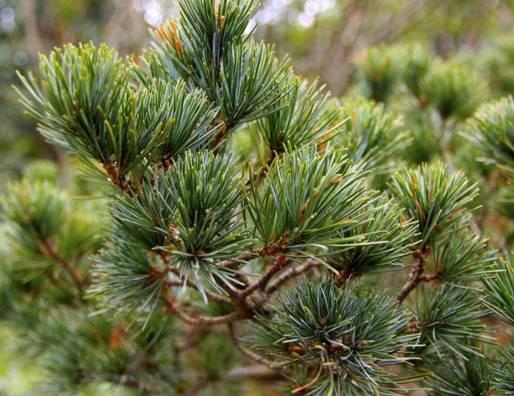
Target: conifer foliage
(201, 252)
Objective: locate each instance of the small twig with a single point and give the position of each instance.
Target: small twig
(278, 264)
(247, 352)
(198, 320)
(263, 171)
(412, 327)
(429, 277)
(118, 180)
(345, 275)
(415, 275)
(267, 251)
(50, 251)
(289, 274)
(239, 260)
(224, 128)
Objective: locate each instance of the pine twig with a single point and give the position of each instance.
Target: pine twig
(247, 352)
(267, 251)
(241, 259)
(290, 274)
(429, 277)
(221, 135)
(198, 320)
(345, 275)
(50, 251)
(279, 263)
(415, 275)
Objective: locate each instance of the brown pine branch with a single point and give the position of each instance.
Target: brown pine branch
(415, 275)
(345, 275)
(270, 250)
(116, 178)
(247, 352)
(170, 305)
(49, 250)
(429, 277)
(290, 274)
(240, 259)
(279, 263)
(224, 128)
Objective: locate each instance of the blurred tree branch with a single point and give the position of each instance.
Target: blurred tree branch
(354, 35)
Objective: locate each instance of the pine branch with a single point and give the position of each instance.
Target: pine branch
(117, 179)
(429, 277)
(50, 251)
(415, 275)
(278, 264)
(291, 273)
(242, 259)
(247, 352)
(306, 201)
(170, 305)
(345, 275)
(319, 329)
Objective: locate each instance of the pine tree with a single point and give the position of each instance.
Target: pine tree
(250, 217)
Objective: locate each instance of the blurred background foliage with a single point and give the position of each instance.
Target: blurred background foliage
(358, 48)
